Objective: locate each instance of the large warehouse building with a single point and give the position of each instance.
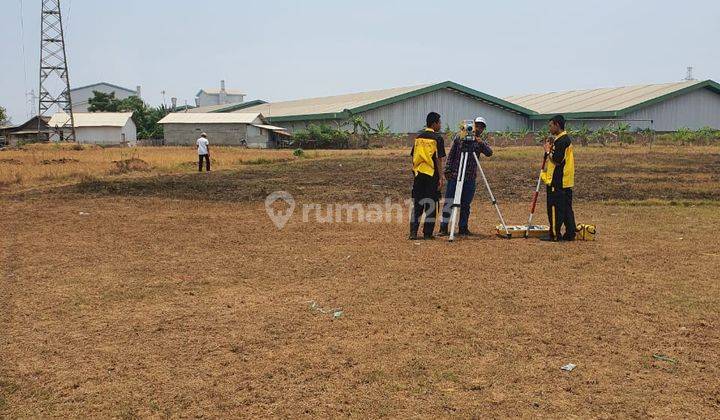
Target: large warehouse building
(662, 107)
(402, 109)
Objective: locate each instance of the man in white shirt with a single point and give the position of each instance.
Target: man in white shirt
(203, 149)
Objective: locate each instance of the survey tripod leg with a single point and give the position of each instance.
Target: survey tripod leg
(492, 197)
(458, 195)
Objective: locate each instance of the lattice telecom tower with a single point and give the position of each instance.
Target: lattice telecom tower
(54, 93)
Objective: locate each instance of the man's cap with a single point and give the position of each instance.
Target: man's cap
(480, 120)
(203, 135)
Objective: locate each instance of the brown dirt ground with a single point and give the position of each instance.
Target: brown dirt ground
(175, 296)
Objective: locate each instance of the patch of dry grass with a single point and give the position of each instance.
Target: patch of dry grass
(48, 164)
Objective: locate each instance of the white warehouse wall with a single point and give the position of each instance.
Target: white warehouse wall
(80, 97)
(107, 135)
(408, 116)
(693, 110)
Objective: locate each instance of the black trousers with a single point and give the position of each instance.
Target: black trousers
(560, 212)
(425, 197)
(207, 162)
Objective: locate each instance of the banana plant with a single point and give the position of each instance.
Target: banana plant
(449, 133)
(582, 134)
(603, 135)
(623, 133)
(647, 135)
(381, 129)
(707, 134)
(360, 125)
(507, 136)
(521, 135)
(542, 135)
(684, 135)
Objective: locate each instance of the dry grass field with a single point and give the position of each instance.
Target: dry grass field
(167, 293)
(42, 165)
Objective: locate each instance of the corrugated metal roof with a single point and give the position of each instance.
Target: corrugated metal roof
(329, 104)
(91, 119)
(270, 127)
(106, 84)
(230, 107)
(213, 118)
(211, 108)
(596, 100)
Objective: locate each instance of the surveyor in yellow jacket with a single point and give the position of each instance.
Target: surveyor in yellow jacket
(427, 153)
(559, 177)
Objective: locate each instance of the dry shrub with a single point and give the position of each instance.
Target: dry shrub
(60, 161)
(264, 161)
(10, 161)
(129, 165)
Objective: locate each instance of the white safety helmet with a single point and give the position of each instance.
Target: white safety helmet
(480, 120)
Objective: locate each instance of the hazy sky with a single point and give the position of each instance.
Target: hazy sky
(282, 49)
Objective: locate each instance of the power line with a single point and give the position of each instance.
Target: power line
(22, 45)
(67, 21)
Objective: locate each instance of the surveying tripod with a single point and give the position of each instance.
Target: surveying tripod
(467, 150)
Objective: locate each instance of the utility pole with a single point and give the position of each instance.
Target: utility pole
(54, 94)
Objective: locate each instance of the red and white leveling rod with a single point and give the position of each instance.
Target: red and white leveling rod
(535, 196)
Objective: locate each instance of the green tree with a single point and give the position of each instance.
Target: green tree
(146, 118)
(4, 120)
(103, 102)
(150, 127)
(321, 137)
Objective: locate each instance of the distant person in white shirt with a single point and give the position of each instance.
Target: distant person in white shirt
(203, 148)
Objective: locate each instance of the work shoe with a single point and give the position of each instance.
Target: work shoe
(549, 239)
(568, 238)
(413, 231)
(443, 232)
(465, 232)
(428, 237)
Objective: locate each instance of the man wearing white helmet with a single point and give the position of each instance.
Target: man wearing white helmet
(452, 167)
(203, 149)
